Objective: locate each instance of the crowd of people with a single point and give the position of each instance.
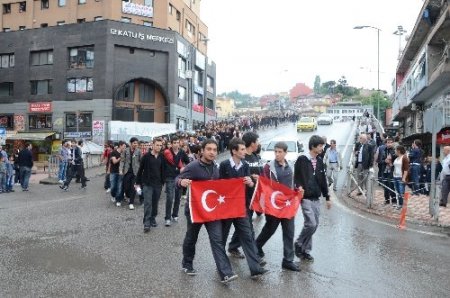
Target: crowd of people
(397, 168)
(15, 169)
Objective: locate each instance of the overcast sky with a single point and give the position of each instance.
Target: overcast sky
(263, 46)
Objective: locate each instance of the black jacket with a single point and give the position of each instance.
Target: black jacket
(171, 169)
(151, 170)
(25, 158)
(227, 172)
(314, 182)
(367, 155)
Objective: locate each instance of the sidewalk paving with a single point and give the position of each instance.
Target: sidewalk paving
(418, 208)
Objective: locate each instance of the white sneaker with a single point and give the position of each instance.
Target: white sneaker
(108, 190)
(113, 199)
(61, 181)
(168, 223)
(175, 219)
(118, 204)
(131, 206)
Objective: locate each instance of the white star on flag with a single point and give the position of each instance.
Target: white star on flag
(288, 203)
(221, 200)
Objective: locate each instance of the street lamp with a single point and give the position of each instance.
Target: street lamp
(400, 31)
(378, 63)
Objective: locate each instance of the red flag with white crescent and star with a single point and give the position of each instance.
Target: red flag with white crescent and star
(213, 200)
(276, 199)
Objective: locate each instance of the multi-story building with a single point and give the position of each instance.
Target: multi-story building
(225, 107)
(66, 64)
(422, 83)
(348, 110)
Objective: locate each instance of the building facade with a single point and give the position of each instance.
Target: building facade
(421, 101)
(348, 110)
(64, 79)
(225, 107)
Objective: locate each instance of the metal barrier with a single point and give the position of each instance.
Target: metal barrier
(90, 161)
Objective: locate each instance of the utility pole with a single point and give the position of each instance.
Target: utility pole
(400, 31)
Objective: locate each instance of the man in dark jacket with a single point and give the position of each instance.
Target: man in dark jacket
(204, 168)
(364, 160)
(76, 166)
(310, 174)
(150, 178)
(236, 167)
(130, 161)
(25, 161)
(174, 161)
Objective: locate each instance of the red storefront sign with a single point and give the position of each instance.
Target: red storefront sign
(40, 107)
(443, 137)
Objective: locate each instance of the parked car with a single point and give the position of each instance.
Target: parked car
(295, 147)
(307, 123)
(325, 120)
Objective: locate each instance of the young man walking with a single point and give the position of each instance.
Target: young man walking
(251, 146)
(236, 167)
(150, 178)
(63, 157)
(204, 168)
(25, 161)
(174, 161)
(116, 174)
(130, 160)
(309, 173)
(76, 166)
(279, 171)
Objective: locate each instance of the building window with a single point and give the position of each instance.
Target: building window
(60, 23)
(44, 25)
(210, 84)
(181, 93)
(210, 104)
(81, 1)
(7, 121)
(198, 78)
(21, 28)
(41, 87)
(146, 115)
(40, 121)
(81, 57)
(41, 58)
(190, 28)
(126, 20)
(61, 3)
(124, 114)
(22, 6)
(6, 89)
(80, 85)
(148, 24)
(178, 15)
(148, 2)
(7, 60)
(84, 120)
(6, 8)
(198, 99)
(98, 19)
(170, 9)
(79, 21)
(181, 67)
(146, 93)
(126, 93)
(6, 29)
(44, 4)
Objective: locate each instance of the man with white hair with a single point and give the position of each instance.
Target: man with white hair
(364, 161)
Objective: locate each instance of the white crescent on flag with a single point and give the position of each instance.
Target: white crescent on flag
(204, 196)
(273, 197)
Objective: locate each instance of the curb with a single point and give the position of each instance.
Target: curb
(352, 203)
(54, 181)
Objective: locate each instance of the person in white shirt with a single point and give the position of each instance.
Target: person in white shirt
(333, 162)
(445, 177)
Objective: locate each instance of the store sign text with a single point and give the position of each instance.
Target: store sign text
(40, 107)
(141, 36)
(137, 9)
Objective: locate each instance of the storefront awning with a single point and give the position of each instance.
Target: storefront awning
(30, 136)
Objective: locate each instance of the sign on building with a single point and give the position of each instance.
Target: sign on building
(98, 132)
(137, 9)
(124, 130)
(40, 107)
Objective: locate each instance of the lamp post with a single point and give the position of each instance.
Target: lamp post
(400, 31)
(378, 61)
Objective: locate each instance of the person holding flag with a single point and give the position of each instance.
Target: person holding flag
(279, 171)
(204, 170)
(309, 173)
(236, 167)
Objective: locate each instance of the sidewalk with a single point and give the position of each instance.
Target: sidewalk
(418, 207)
(42, 177)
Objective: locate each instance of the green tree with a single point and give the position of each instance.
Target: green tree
(317, 85)
(328, 87)
(375, 99)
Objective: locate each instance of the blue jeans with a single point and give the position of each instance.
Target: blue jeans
(151, 199)
(2, 182)
(116, 186)
(415, 176)
(62, 170)
(173, 196)
(400, 189)
(9, 182)
(25, 173)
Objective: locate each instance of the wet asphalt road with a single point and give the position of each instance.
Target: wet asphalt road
(78, 244)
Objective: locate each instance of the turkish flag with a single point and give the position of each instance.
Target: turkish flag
(212, 200)
(276, 199)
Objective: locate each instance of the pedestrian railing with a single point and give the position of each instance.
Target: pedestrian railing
(90, 160)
